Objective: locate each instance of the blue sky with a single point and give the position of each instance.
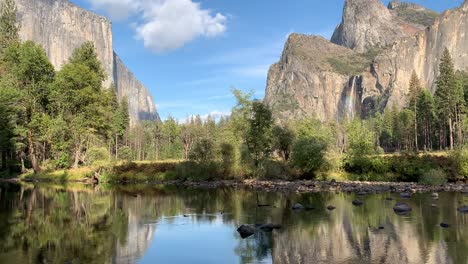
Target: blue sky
(191, 53)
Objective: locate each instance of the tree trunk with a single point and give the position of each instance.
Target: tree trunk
(451, 132)
(32, 154)
(77, 156)
(116, 147)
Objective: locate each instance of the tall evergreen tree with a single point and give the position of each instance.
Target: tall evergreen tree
(414, 90)
(446, 94)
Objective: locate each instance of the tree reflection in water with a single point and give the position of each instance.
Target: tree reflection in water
(77, 224)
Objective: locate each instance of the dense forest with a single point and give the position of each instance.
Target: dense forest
(67, 119)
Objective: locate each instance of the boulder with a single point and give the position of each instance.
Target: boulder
(358, 203)
(401, 208)
(298, 206)
(245, 231)
(444, 225)
(269, 227)
(405, 195)
(463, 209)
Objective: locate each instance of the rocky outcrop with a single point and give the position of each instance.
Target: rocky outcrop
(61, 27)
(306, 82)
(413, 13)
(369, 24)
(370, 70)
(421, 53)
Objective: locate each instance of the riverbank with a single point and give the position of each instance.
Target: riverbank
(299, 186)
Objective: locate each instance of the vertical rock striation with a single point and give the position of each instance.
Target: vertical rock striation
(61, 27)
(369, 71)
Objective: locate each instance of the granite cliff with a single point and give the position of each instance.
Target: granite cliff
(367, 65)
(61, 27)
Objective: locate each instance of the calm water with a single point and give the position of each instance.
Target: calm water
(131, 224)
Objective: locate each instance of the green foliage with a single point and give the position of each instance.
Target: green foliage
(353, 65)
(227, 158)
(361, 141)
(308, 154)
(434, 177)
(98, 156)
(460, 157)
(258, 135)
(126, 153)
(283, 138)
(203, 151)
(310, 147)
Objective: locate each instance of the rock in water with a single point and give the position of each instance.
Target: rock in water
(358, 202)
(298, 207)
(463, 209)
(389, 199)
(444, 225)
(405, 195)
(331, 207)
(269, 227)
(401, 208)
(435, 195)
(381, 227)
(245, 231)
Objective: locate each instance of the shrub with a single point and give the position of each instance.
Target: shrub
(309, 154)
(203, 151)
(434, 177)
(193, 171)
(460, 158)
(98, 155)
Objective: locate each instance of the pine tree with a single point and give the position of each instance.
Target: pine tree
(446, 94)
(414, 90)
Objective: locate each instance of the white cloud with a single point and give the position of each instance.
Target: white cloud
(165, 25)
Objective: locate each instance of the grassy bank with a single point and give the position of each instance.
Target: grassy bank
(431, 169)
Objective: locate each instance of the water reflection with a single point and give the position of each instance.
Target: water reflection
(138, 224)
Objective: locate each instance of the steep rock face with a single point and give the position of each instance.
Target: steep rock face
(61, 27)
(304, 82)
(135, 92)
(368, 23)
(422, 53)
(297, 87)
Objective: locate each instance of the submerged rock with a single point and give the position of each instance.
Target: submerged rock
(435, 195)
(358, 202)
(463, 209)
(405, 195)
(309, 208)
(401, 208)
(331, 207)
(269, 227)
(389, 199)
(381, 227)
(298, 206)
(245, 231)
(444, 225)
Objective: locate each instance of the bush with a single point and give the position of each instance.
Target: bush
(309, 155)
(434, 177)
(98, 155)
(203, 151)
(460, 158)
(193, 171)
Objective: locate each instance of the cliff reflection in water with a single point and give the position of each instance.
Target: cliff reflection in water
(131, 224)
